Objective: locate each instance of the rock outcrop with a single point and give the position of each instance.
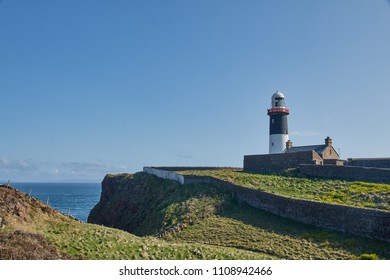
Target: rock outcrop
(129, 201)
(20, 215)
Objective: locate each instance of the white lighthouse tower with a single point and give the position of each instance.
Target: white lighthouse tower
(278, 128)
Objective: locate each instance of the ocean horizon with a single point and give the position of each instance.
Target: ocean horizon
(70, 198)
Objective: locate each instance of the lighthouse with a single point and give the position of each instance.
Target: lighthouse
(278, 128)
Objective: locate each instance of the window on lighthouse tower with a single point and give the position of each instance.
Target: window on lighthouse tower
(279, 102)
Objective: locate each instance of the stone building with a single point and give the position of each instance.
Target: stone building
(292, 157)
(325, 153)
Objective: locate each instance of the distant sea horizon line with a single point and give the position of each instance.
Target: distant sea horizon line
(71, 198)
(50, 181)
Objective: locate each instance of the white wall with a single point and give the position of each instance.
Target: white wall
(279, 141)
(165, 174)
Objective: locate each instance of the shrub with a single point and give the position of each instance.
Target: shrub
(368, 257)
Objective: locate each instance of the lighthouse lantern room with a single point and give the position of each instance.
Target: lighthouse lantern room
(278, 128)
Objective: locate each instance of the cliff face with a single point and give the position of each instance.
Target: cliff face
(123, 203)
(144, 204)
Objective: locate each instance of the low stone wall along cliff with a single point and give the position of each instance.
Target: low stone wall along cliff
(357, 173)
(360, 221)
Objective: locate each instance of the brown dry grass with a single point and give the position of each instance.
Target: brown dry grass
(19, 245)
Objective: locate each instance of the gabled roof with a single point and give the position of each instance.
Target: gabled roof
(317, 148)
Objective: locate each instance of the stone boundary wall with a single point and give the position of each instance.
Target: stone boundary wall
(369, 162)
(359, 221)
(271, 163)
(183, 168)
(357, 173)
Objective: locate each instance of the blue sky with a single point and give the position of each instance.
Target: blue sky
(94, 86)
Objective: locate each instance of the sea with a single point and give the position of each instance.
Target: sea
(74, 199)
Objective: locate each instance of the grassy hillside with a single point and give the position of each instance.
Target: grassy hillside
(247, 228)
(206, 214)
(360, 194)
(171, 222)
(87, 241)
(30, 229)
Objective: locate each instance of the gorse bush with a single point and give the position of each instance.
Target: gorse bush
(368, 257)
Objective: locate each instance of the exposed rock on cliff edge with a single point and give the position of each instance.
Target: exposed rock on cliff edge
(146, 205)
(20, 216)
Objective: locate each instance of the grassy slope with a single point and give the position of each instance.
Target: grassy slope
(195, 222)
(221, 221)
(254, 230)
(64, 237)
(87, 241)
(206, 214)
(360, 194)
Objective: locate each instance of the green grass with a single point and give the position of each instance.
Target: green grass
(208, 214)
(40, 232)
(360, 194)
(199, 221)
(241, 226)
(19, 245)
(368, 257)
(87, 241)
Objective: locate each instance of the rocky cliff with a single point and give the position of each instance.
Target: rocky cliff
(147, 205)
(124, 202)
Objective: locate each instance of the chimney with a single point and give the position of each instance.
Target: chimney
(328, 141)
(289, 144)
